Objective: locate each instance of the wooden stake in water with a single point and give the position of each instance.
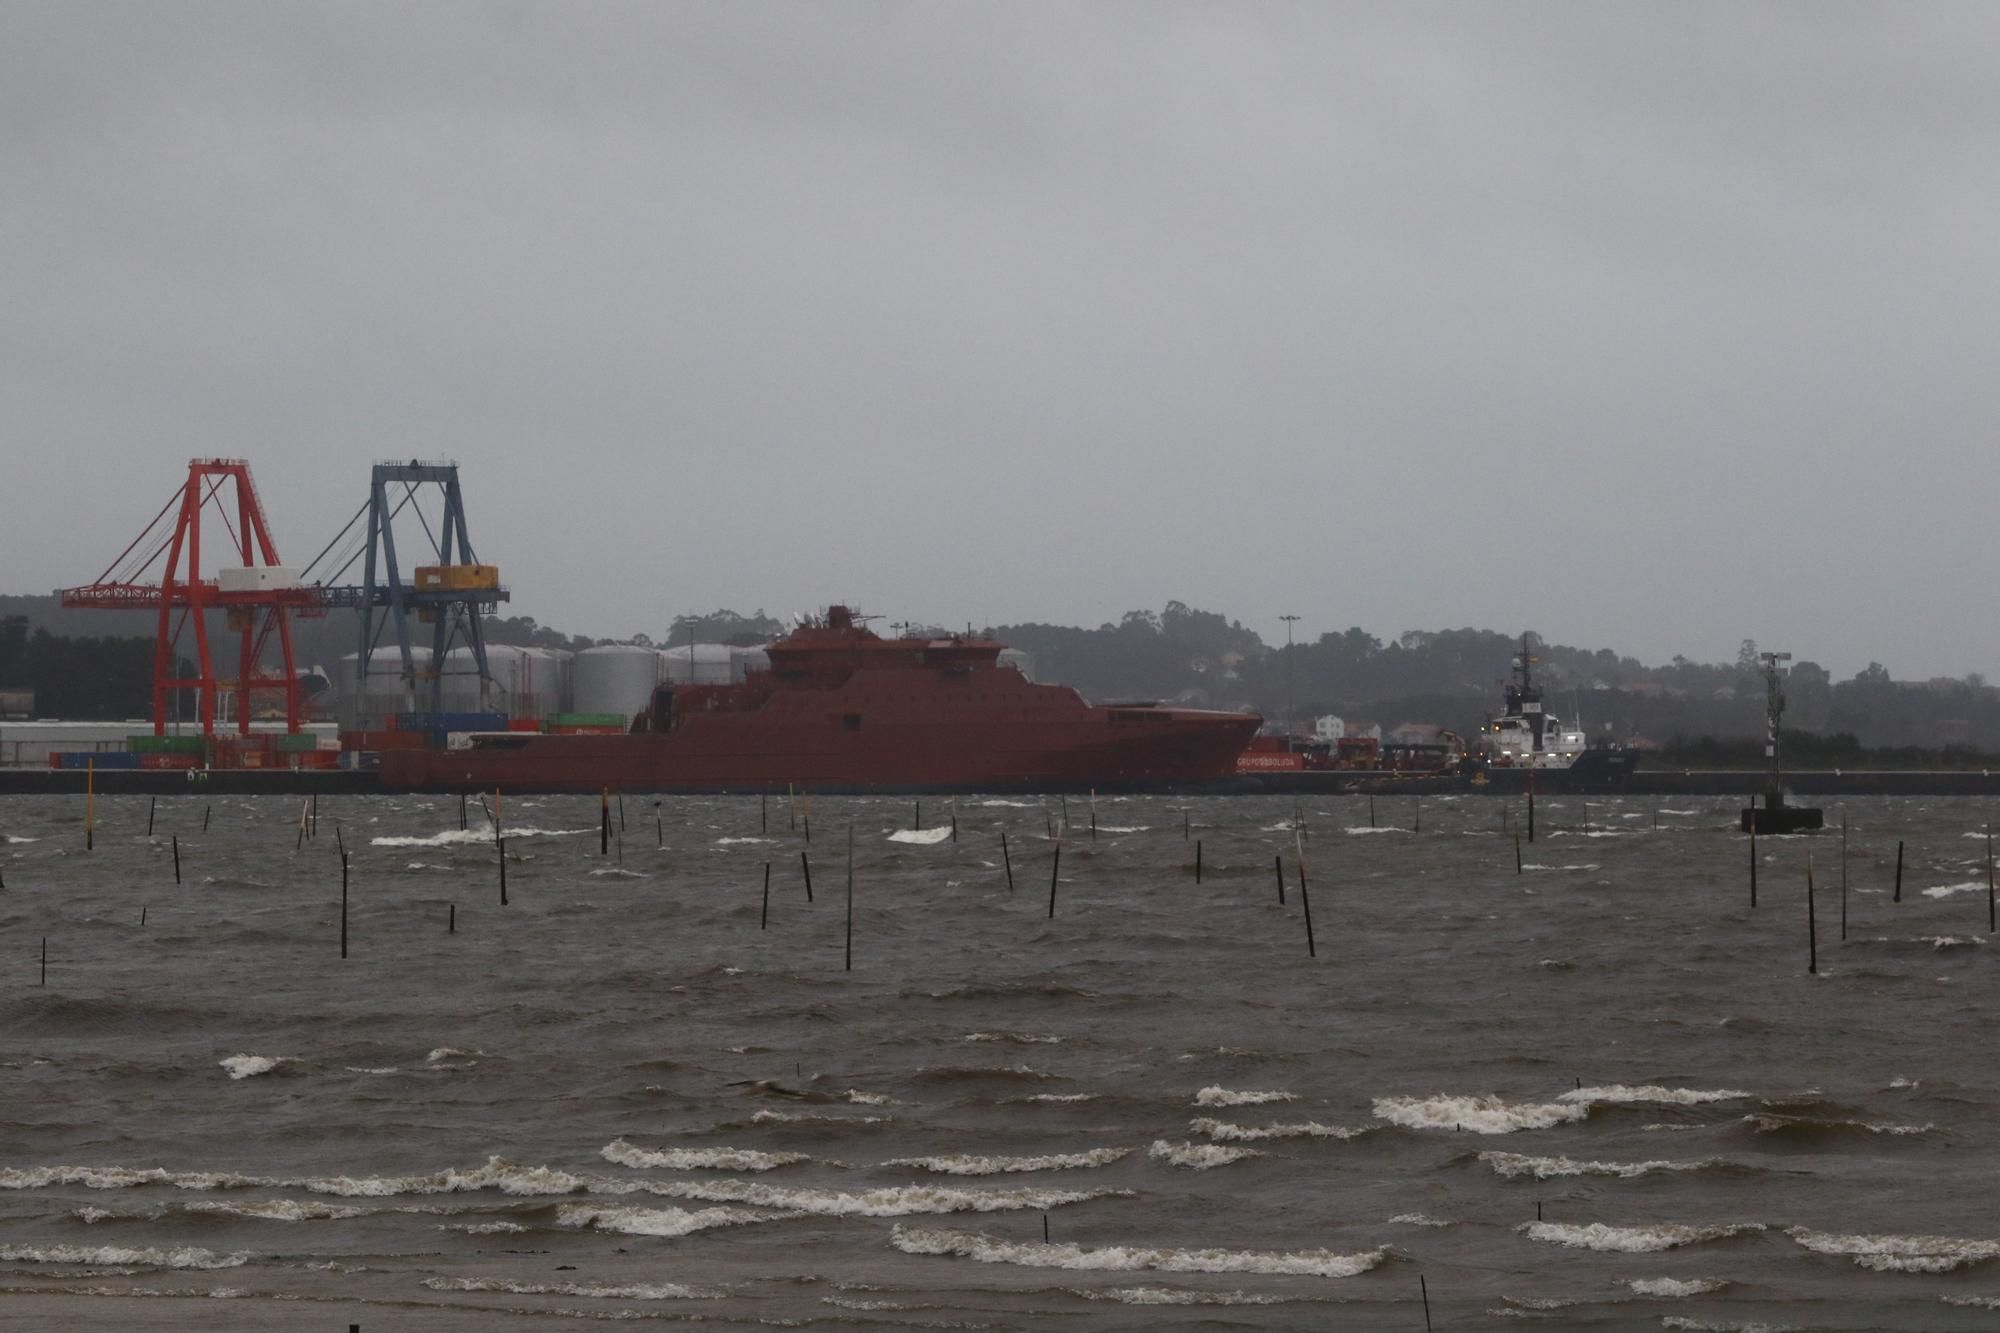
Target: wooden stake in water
(805, 868)
(206, 811)
(764, 920)
(152, 804)
(1184, 824)
(621, 812)
(1371, 811)
(791, 810)
(1278, 866)
(177, 858)
(659, 829)
(1305, 901)
(604, 822)
(451, 919)
(89, 803)
(1990, 923)
(500, 844)
(461, 812)
(305, 813)
(1753, 865)
(45, 960)
(849, 965)
(1899, 870)
(1423, 1288)
(917, 816)
(1812, 923)
(1197, 860)
(1007, 860)
(763, 812)
(1517, 853)
(1093, 812)
(1055, 865)
(1417, 817)
(343, 907)
(1065, 811)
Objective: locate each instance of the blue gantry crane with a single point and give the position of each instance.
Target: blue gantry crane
(449, 592)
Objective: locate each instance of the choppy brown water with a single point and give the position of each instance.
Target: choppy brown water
(617, 1097)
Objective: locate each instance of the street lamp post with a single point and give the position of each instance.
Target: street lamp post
(1289, 693)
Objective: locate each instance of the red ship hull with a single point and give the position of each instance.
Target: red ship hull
(843, 710)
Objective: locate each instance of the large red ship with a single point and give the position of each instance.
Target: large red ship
(843, 709)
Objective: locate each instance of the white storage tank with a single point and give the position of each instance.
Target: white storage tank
(613, 678)
(696, 664)
(527, 682)
(366, 704)
(743, 661)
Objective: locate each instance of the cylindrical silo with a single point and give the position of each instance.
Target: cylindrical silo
(614, 678)
(367, 704)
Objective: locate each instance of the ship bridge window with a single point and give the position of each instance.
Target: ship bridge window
(851, 721)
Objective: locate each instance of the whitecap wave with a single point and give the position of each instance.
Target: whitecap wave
(698, 1159)
(1899, 1254)
(631, 1221)
(97, 1256)
(1620, 1093)
(459, 837)
(276, 1210)
(1481, 1115)
(1121, 1258)
(1419, 1220)
(1214, 1096)
(922, 837)
(249, 1066)
(1224, 1131)
(1176, 1296)
(1198, 1156)
(1513, 1166)
(965, 1164)
(892, 1201)
(1017, 1038)
(1643, 1239)
(637, 1291)
(1673, 1286)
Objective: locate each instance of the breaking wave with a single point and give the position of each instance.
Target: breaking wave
(1197, 1156)
(1481, 1115)
(1224, 1131)
(1632, 1240)
(963, 1164)
(1213, 1096)
(1126, 1259)
(1899, 1254)
(644, 1291)
(631, 1221)
(186, 1256)
(249, 1066)
(698, 1159)
(459, 837)
(1673, 1286)
(892, 1201)
(1619, 1094)
(1513, 1166)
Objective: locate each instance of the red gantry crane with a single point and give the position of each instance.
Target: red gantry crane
(255, 592)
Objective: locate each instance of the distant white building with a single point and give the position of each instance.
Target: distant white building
(1328, 728)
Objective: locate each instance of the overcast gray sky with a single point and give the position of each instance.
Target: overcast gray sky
(1652, 326)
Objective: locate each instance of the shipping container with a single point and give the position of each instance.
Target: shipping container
(618, 720)
(451, 722)
(173, 761)
(291, 742)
